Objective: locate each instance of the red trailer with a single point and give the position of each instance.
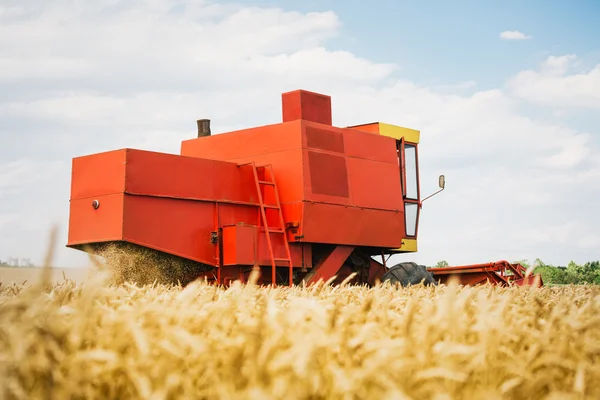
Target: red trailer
(299, 200)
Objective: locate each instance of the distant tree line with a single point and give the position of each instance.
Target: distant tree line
(16, 262)
(588, 273)
(573, 273)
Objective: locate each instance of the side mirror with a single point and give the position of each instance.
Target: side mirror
(442, 183)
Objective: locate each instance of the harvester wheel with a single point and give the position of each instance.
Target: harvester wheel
(408, 273)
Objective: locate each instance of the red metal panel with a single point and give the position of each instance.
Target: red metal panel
(372, 147)
(328, 175)
(287, 167)
(231, 214)
(243, 245)
(239, 245)
(292, 212)
(232, 183)
(87, 225)
(278, 145)
(307, 255)
(168, 175)
(179, 227)
(324, 139)
(161, 174)
(325, 178)
(278, 250)
(328, 223)
(376, 271)
(310, 106)
(291, 106)
(375, 184)
(98, 174)
(246, 143)
(330, 265)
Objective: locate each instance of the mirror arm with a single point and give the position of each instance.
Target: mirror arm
(421, 202)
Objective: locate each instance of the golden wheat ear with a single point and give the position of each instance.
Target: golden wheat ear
(349, 278)
(254, 276)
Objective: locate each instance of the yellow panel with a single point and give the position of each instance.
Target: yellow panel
(408, 246)
(398, 132)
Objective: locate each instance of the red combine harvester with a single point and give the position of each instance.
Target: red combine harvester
(299, 200)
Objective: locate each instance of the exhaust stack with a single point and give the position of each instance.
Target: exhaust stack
(203, 127)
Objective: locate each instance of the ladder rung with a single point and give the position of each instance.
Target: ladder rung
(266, 226)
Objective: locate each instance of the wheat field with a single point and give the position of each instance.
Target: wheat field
(106, 339)
(99, 340)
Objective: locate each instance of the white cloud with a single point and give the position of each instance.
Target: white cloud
(88, 78)
(514, 35)
(557, 66)
(552, 85)
(321, 63)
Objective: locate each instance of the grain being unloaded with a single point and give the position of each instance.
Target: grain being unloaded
(103, 340)
(131, 263)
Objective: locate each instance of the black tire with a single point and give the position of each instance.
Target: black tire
(408, 273)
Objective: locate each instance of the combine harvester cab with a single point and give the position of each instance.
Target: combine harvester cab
(299, 201)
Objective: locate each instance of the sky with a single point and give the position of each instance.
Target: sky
(506, 96)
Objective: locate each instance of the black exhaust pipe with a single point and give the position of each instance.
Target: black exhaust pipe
(203, 127)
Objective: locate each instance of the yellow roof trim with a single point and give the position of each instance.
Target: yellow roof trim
(398, 132)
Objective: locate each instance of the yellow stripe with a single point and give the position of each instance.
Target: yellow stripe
(408, 246)
(398, 132)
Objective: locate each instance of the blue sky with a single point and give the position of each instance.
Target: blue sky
(457, 41)
(514, 124)
(449, 43)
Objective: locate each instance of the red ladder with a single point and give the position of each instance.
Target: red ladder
(272, 230)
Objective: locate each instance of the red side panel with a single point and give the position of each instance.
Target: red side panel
(243, 245)
(98, 174)
(309, 106)
(88, 225)
(329, 223)
(371, 147)
(352, 168)
(374, 184)
(239, 245)
(279, 145)
(179, 227)
(233, 183)
(324, 164)
(326, 178)
(160, 174)
(287, 167)
(169, 175)
(231, 214)
(232, 146)
(97, 177)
